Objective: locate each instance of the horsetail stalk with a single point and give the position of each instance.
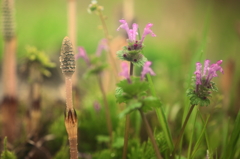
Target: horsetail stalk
(9, 101)
(67, 61)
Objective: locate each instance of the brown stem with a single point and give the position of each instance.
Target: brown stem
(107, 110)
(182, 131)
(150, 134)
(68, 84)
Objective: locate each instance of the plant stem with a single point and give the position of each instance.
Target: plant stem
(150, 134)
(107, 36)
(182, 131)
(107, 110)
(127, 124)
(161, 116)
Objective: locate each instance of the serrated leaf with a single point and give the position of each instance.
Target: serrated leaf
(136, 87)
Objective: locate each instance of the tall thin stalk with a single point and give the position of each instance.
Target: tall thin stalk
(107, 36)
(67, 61)
(127, 125)
(182, 130)
(150, 134)
(107, 110)
(9, 103)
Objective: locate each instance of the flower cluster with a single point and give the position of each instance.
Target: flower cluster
(204, 77)
(132, 52)
(203, 82)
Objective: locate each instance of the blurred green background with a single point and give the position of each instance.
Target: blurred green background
(187, 31)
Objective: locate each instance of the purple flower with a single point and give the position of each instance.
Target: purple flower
(133, 32)
(102, 45)
(82, 54)
(96, 106)
(204, 77)
(125, 72)
(147, 69)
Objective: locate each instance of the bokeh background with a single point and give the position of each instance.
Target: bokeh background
(187, 32)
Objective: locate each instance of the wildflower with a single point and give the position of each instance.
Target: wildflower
(82, 54)
(125, 72)
(204, 77)
(101, 46)
(147, 69)
(203, 86)
(132, 52)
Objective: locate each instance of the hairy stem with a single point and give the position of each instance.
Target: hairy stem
(107, 110)
(127, 124)
(150, 134)
(107, 36)
(182, 131)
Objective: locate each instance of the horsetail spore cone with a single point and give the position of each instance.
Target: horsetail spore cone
(67, 60)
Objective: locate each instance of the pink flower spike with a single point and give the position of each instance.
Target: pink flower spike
(147, 69)
(125, 71)
(82, 54)
(147, 31)
(102, 45)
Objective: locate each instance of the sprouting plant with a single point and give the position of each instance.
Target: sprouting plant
(67, 61)
(133, 92)
(200, 91)
(6, 154)
(37, 65)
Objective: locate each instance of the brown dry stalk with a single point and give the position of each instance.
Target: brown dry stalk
(67, 61)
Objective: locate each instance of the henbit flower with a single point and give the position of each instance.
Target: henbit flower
(82, 54)
(102, 45)
(125, 71)
(204, 78)
(147, 69)
(133, 32)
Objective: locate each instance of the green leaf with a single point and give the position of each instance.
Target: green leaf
(135, 87)
(133, 105)
(150, 103)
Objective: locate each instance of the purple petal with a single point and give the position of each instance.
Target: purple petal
(82, 54)
(124, 25)
(102, 45)
(147, 69)
(206, 67)
(125, 71)
(147, 31)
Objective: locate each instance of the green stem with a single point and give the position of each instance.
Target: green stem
(182, 131)
(161, 116)
(150, 134)
(127, 124)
